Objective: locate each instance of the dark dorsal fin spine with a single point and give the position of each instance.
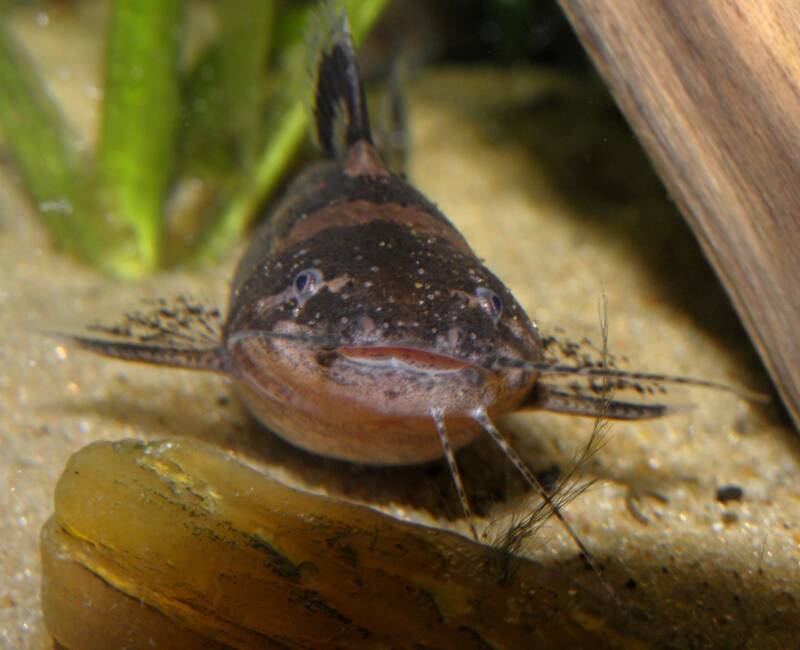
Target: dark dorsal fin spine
(339, 104)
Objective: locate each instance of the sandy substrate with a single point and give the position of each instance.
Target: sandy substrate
(549, 187)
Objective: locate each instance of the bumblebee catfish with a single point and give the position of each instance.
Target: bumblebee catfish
(362, 326)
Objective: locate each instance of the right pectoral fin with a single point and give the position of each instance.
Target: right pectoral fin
(558, 400)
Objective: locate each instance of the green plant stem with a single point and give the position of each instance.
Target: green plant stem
(276, 154)
(38, 139)
(264, 176)
(224, 93)
(245, 29)
(223, 99)
(138, 136)
(363, 14)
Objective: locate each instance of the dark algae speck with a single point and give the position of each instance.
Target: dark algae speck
(727, 493)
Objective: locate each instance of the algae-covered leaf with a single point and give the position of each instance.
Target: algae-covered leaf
(38, 138)
(139, 125)
(217, 550)
(285, 131)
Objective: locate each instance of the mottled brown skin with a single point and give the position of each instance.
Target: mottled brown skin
(403, 328)
(361, 325)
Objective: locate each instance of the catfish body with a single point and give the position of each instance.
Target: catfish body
(410, 318)
(407, 319)
(362, 326)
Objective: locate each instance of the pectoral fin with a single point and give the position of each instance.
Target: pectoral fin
(557, 400)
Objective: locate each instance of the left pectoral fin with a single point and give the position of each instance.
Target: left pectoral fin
(209, 359)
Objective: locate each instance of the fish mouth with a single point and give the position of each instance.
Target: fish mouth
(376, 355)
(404, 358)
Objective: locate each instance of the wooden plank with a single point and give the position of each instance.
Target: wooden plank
(712, 89)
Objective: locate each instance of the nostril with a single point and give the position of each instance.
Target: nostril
(454, 336)
(366, 325)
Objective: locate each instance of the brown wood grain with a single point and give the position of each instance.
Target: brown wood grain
(712, 88)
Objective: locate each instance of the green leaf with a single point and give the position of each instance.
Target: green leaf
(38, 138)
(141, 113)
(245, 28)
(224, 94)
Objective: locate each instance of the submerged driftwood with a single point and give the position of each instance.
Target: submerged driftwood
(176, 545)
(711, 89)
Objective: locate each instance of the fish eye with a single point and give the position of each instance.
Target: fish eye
(306, 283)
(491, 303)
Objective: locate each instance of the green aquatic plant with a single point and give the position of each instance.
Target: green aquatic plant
(220, 127)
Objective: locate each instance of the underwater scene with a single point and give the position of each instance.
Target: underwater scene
(364, 324)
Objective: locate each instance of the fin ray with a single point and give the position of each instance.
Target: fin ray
(210, 359)
(550, 398)
(625, 378)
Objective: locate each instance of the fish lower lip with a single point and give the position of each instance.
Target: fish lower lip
(397, 355)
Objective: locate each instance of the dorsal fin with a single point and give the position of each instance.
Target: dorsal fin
(339, 106)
